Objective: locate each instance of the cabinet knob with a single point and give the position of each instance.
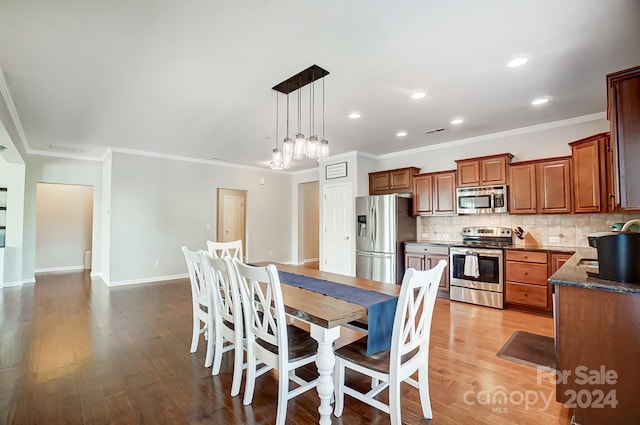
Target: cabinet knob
(526, 273)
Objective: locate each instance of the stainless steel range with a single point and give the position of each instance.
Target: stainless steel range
(476, 266)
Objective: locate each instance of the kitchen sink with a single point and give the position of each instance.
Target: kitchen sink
(588, 262)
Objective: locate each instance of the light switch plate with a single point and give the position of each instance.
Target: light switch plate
(554, 239)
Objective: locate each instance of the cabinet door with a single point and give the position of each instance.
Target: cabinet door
(415, 261)
(444, 193)
(493, 171)
(432, 261)
(468, 173)
(378, 182)
(400, 179)
(522, 189)
(554, 179)
(624, 115)
(557, 260)
(422, 194)
(612, 206)
(588, 175)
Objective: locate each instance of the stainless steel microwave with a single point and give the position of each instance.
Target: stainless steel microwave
(482, 200)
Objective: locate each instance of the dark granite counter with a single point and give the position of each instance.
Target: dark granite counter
(439, 243)
(574, 273)
(544, 248)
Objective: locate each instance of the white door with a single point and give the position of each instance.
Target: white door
(337, 223)
(231, 216)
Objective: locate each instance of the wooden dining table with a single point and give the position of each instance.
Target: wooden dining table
(325, 315)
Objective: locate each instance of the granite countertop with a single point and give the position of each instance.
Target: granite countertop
(574, 273)
(441, 243)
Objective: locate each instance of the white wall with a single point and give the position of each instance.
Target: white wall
(159, 205)
(308, 221)
(44, 169)
(64, 222)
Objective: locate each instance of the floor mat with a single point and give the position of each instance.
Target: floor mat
(530, 349)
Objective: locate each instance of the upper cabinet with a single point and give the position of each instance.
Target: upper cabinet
(540, 187)
(623, 95)
(589, 158)
(483, 171)
(392, 181)
(434, 193)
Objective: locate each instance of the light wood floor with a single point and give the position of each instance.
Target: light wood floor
(73, 351)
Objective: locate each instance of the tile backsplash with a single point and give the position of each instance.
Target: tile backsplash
(563, 230)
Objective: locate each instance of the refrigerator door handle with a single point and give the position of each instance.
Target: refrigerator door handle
(371, 224)
(374, 228)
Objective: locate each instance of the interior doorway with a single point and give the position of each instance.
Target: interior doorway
(232, 216)
(309, 224)
(64, 227)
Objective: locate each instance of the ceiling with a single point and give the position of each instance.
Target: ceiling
(194, 78)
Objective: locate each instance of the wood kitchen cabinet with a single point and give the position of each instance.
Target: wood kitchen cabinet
(623, 112)
(589, 166)
(554, 186)
(392, 181)
(542, 187)
(425, 257)
(526, 274)
(483, 171)
(526, 280)
(434, 193)
(557, 260)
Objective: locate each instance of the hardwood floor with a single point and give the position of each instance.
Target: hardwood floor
(73, 351)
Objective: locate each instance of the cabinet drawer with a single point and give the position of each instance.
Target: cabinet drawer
(527, 256)
(530, 295)
(527, 273)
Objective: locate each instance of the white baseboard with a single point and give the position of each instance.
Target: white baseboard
(146, 280)
(14, 283)
(59, 269)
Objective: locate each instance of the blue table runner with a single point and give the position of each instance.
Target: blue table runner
(381, 308)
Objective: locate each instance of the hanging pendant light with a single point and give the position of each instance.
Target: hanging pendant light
(299, 148)
(287, 145)
(312, 142)
(277, 160)
(323, 145)
(300, 144)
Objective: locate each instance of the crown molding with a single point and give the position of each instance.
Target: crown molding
(500, 135)
(13, 112)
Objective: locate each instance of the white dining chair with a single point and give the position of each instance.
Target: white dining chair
(409, 349)
(228, 335)
(203, 319)
(232, 249)
(270, 338)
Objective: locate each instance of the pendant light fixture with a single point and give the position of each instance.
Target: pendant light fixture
(312, 142)
(313, 147)
(323, 145)
(277, 159)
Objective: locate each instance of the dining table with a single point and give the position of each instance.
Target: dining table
(326, 314)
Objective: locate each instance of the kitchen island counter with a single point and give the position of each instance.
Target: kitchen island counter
(581, 271)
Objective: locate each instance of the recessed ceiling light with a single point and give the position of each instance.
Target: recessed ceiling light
(517, 62)
(457, 121)
(354, 115)
(401, 133)
(418, 95)
(540, 101)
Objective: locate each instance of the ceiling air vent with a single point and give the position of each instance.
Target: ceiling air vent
(435, 130)
(66, 148)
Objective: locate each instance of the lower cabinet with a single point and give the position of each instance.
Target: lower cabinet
(425, 257)
(526, 274)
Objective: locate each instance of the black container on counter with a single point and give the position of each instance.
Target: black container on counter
(619, 257)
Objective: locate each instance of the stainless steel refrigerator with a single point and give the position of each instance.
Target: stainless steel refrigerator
(383, 223)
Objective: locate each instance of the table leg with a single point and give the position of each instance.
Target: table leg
(325, 361)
